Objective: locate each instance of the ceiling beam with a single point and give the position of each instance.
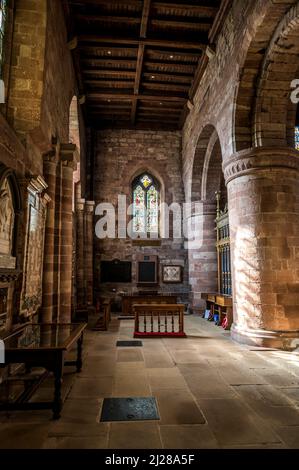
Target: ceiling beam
(105, 82)
(93, 38)
(133, 3)
(200, 9)
(138, 69)
(127, 96)
(107, 19)
(169, 77)
(109, 73)
(200, 24)
(140, 56)
(219, 20)
(137, 80)
(145, 18)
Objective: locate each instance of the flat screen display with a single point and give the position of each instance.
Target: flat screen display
(116, 271)
(146, 271)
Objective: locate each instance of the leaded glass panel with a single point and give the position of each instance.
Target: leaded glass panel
(145, 205)
(139, 210)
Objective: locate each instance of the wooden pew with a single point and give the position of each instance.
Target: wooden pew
(104, 311)
(222, 305)
(156, 320)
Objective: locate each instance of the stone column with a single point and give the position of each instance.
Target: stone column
(49, 170)
(263, 201)
(203, 256)
(80, 254)
(67, 152)
(89, 236)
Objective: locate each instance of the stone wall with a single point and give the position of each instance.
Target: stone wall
(244, 95)
(122, 155)
(34, 137)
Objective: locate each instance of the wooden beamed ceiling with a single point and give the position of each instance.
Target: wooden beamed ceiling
(138, 62)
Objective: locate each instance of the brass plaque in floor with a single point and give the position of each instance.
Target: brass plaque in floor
(129, 409)
(129, 344)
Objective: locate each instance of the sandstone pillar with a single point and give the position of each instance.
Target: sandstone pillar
(89, 234)
(49, 170)
(203, 256)
(66, 233)
(80, 253)
(263, 201)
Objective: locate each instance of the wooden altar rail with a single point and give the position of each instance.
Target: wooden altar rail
(156, 320)
(104, 311)
(129, 300)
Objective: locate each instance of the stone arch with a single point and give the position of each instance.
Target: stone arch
(212, 170)
(207, 178)
(268, 21)
(199, 160)
(7, 175)
(275, 114)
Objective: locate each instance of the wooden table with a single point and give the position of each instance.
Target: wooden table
(129, 300)
(44, 345)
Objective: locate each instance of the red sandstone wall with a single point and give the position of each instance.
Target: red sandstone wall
(121, 155)
(42, 84)
(248, 28)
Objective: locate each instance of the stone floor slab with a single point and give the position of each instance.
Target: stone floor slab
(129, 355)
(233, 423)
(134, 436)
(23, 436)
(178, 407)
(187, 437)
(99, 387)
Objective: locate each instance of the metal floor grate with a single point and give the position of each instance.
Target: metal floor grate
(129, 344)
(129, 409)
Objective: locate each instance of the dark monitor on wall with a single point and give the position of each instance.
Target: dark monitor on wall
(116, 271)
(147, 270)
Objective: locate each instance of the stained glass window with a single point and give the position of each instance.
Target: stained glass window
(297, 137)
(3, 12)
(145, 205)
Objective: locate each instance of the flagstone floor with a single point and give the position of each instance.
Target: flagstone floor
(211, 393)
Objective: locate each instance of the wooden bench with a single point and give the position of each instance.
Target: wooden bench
(222, 305)
(104, 310)
(129, 300)
(156, 320)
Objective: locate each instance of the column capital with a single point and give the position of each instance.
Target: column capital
(50, 156)
(69, 155)
(89, 206)
(80, 204)
(256, 159)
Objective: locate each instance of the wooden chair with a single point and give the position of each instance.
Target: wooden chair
(103, 308)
